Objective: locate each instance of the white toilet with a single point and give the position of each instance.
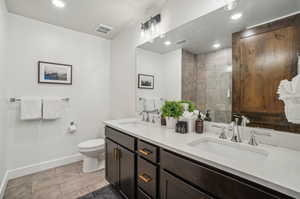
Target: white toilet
(93, 152)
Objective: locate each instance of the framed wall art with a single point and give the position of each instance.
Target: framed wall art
(145, 81)
(54, 73)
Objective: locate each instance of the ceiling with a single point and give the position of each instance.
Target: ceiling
(86, 15)
(216, 27)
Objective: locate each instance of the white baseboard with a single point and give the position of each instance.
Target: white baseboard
(23, 171)
(3, 184)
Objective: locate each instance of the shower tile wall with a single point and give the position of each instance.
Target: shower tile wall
(207, 82)
(189, 76)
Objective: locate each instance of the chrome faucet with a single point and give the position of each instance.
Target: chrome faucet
(147, 113)
(148, 117)
(236, 136)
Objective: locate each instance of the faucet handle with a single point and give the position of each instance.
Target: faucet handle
(245, 120)
(236, 118)
(253, 141)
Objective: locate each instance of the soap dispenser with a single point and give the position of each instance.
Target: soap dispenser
(207, 116)
(199, 124)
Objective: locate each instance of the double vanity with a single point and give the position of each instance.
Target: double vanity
(228, 68)
(147, 161)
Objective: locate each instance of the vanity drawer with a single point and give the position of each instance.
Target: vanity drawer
(218, 184)
(147, 177)
(142, 195)
(120, 138)
(147, 151)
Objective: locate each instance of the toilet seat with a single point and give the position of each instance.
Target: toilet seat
(91, 145)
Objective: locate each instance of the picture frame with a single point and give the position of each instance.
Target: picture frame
(55, 73)
(145, 81)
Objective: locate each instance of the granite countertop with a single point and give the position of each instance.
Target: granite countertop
(280, 170)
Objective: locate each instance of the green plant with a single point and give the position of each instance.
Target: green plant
(192, 106)
(172, 109)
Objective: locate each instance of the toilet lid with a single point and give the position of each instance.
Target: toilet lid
(91, 144)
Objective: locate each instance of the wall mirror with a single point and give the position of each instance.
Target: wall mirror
(197, 61)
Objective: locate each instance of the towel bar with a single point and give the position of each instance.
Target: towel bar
(18, 99)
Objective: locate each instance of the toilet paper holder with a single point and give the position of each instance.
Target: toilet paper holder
(72, 127)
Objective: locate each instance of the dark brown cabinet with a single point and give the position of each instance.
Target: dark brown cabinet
(127, 172)
(111, 162)
(174, 188)
(218, 183)
(262, 57)
(147, 151)
(160, 173)
(120, 168)
(142, 195)
(147, 177)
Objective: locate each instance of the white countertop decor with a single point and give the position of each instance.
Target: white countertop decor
(279, 170)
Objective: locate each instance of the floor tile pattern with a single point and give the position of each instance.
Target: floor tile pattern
(66, 182)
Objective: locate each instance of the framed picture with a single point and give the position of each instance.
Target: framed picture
(145, 81)
(54, 73)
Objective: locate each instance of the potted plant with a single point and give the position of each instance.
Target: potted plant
(172, 110)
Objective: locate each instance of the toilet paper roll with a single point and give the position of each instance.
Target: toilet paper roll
(72, 129)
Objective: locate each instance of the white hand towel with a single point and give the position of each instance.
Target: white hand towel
(149, 104)
(140, 105)
(158, 103)
(296, 85)
(298, 65)
(31, 108)
(53, 108)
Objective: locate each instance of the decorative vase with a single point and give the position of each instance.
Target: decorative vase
(171, 122)
(185, 106)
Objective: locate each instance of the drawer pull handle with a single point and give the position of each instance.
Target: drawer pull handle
(145, 152)
(145, 178)
(115, 154)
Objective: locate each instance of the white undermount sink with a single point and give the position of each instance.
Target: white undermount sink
(230, 150)
(132, 124)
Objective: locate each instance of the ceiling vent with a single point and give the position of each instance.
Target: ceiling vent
(104, 29)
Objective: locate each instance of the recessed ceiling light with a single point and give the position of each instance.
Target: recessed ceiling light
(58, 3)
(236, 16)
(217, 45)
(167, 43)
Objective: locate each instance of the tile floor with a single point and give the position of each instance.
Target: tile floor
(66, 182)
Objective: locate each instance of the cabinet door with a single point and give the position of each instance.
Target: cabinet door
(111, 162)
(264, 65)
(174, 188)
(262, 58)
(142, 195)
(126, 172)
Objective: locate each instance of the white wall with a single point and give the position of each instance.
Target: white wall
(172, 75)
(166, 69)
(174, 14)
(150, 63)
(32, 142)
(3, 30)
